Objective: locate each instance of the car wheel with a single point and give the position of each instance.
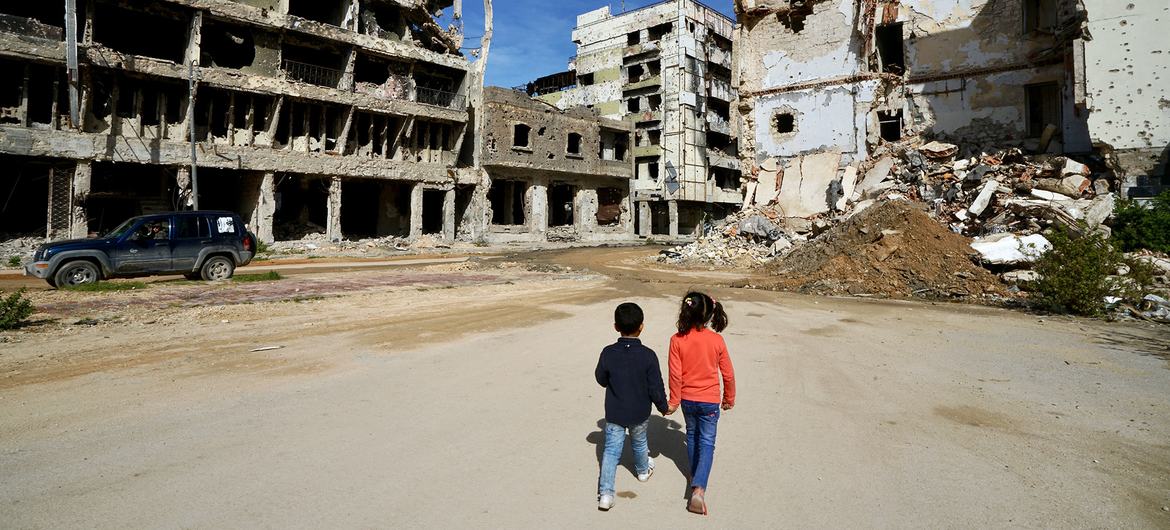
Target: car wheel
(217, 268)
(76, 273)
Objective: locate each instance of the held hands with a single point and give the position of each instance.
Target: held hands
(669, 410)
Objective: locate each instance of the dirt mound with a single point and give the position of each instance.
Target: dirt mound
(891, 249)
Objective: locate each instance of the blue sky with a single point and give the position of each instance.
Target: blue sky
(533, 38)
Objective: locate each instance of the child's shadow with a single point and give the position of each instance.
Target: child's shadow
(665, 437)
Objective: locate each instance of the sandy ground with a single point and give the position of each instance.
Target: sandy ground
(461, 395)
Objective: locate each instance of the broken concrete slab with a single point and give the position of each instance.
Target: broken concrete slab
(1049, 195)
(1010, 249)
(1072, 167)
(1099, 209)
(805, 184)
(878, 173)
(986, 193)
(749, 196)
(848, 185)
(939, 150)
(766, 187)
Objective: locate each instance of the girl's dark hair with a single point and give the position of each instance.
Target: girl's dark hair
(697, 310)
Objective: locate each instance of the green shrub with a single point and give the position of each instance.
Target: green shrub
(14, 261)
(14, 310)
(1075, 274)
(263, 248)
(1137, 227)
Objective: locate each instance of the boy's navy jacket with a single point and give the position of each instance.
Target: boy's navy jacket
(632, 380)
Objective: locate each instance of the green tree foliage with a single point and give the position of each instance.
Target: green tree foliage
(1138, 227)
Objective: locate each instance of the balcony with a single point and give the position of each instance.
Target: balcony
(719, 57)
(440, 98)
(721, 90)
(644, 151)
(312, 74)
(717, 158)
(651, 81)
(717, 123)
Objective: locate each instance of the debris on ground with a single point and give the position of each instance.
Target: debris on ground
(915, 219)
(892, 249)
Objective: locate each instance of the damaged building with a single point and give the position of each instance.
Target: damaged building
(340, 117)
(554, 175)
(824, 82)
(666, 68)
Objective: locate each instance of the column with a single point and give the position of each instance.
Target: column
(644, 219)
(536, 211)
(265, 208)
(672, 209)
(333, 211)
(449, 215)
(79, 220)
(416, 210)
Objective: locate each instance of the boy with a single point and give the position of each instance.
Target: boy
(632, 380)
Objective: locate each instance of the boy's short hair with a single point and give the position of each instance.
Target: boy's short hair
(628, 318)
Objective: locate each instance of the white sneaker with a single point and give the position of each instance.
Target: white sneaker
(605, 502)
(643, 477)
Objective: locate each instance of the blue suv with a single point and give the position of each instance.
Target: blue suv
(206, 245)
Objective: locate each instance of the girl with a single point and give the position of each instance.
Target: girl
(698, 357)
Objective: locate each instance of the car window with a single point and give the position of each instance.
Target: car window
(156, 229)
(123, 228)
(225, 225)
(191, 227)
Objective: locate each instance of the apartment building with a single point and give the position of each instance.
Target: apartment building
(667, 68)
(554, 175)
(342, 117)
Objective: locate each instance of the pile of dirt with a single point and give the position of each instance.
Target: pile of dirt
(891, 249)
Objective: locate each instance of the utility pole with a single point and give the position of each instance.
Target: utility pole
(191, 127)
(71, 61)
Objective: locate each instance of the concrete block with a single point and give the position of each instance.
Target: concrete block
(986, 193)
(766, 187)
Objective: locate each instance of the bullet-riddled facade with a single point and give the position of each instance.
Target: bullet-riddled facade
(552, 174)
(840, 77)
(667, 68)
(342, 117)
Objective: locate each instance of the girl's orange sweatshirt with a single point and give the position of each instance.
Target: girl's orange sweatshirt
(697, 358)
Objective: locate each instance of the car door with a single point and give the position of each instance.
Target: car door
(147, 249)
(191, 235)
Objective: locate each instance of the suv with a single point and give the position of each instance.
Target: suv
(205, 245)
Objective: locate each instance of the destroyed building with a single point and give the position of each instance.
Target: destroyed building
(341, 117)
(554, 175)
(823, 82)
(667, 68)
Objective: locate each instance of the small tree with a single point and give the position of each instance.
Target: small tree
(14, 310)
(1075, 274)
(1137, 227)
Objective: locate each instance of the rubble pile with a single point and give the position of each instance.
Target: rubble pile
(901, 223)
(19, 247)
(890, 249)
(747, 238)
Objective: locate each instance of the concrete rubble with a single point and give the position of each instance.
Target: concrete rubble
(1000, 199)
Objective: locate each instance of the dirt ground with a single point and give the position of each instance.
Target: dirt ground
(460, 394)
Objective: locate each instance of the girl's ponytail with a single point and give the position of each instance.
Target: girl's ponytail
(718, 317)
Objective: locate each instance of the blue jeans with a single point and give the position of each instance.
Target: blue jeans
(615, 441)
(702, 419)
